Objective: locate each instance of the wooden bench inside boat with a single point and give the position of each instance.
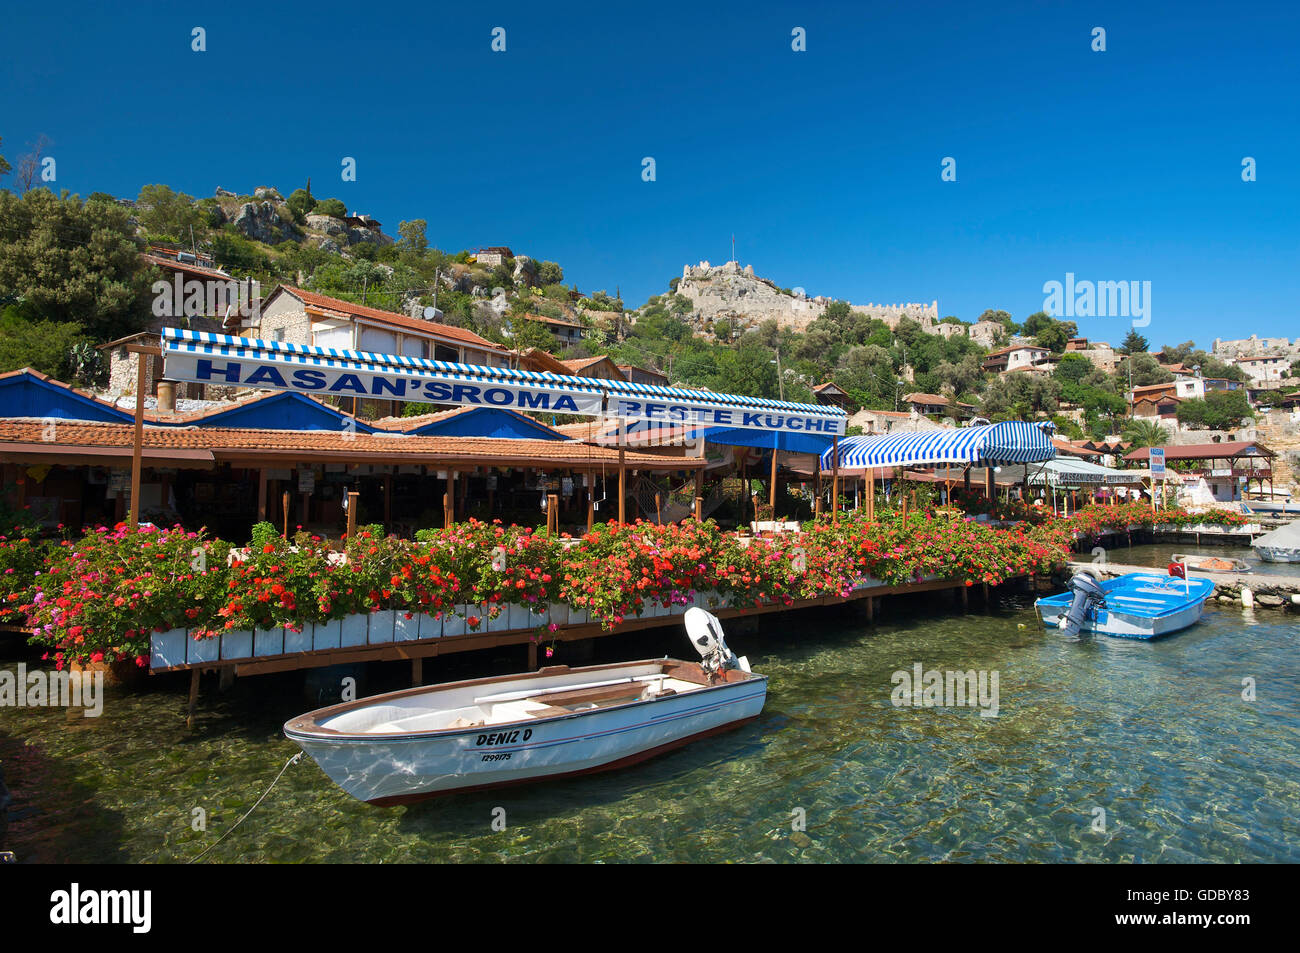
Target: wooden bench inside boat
(563, 703)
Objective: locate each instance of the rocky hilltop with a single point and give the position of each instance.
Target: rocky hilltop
(734, 293)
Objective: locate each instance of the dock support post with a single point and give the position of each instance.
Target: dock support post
(871, 609)
(965, 597)
(417, 672)
(532, 655)
(835, 480)
(194, 698)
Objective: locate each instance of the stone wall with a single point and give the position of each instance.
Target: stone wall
(1279, 430)
(1255, 346)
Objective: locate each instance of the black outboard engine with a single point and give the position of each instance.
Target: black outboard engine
(1088, 595)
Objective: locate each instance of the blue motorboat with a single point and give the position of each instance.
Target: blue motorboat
(1137, 605)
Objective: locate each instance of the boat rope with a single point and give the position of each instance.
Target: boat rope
(293, 760)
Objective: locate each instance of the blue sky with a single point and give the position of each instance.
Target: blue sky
(825, 164)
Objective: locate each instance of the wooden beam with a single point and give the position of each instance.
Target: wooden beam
(622, 487)
(137, 447)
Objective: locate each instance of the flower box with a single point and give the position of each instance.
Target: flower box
(198, 651)
(326, 635)
(488, 624)
(167, 648)
(268, 642)
(521, 617)
(298, 641)
(559, 613)
(236, 643)
(382, 625)
(579, 616)
(404, 629)
(427, 626)
(453, 620)
(354, 630)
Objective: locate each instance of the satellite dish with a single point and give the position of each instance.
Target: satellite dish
(429, 312)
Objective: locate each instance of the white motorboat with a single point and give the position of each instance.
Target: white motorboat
(559, 722)
(1281, 545)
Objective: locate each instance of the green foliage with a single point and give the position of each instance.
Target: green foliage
(300, 203)
(1145, 433)
(167, 215)
(72, 262)
(528, 334)
(1146, 370)
(1134, 343)
(232, 250)
(264, 534)
(549, 273)
(1049, 332)
(332, 207)
(45, 346)
(1219, 410)
(413, 238)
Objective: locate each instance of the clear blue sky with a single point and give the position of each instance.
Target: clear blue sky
(825, 164)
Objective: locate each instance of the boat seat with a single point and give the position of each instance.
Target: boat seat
(604, 695)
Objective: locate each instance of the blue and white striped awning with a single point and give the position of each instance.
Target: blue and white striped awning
(1012, 441)
(205, 357)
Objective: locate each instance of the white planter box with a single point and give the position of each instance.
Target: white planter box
(427, 626)
(404, 629)
(500, 624)
(716, 600)
(559, 613)
(202, 650)
(453, 622)
(167, 648)
(353, 629)
(326, 635)
(237, 643)
(521, 617)
(382, 625)
(268, 642)
(298, 641)
(579, 616)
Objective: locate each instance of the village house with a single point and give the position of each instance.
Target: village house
(831, 393)
(600, 367)
(1017, 357)
(494, 256)
(938, 405)
(1263, 369)
(644, 375)
(568, 333)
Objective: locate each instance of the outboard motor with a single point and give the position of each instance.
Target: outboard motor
(1088, 595)
(705, 632)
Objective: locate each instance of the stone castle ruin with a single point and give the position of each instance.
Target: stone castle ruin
(1256, 346)
(729, 291)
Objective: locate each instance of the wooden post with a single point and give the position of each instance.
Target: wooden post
(659, 519)
(699, 509)
(965, 597)
(532, 655)
(771, 495)
(417, 672)
(835, 479)
(817, 490)
(284, 505)
(451, 497)
(353, 501)
(622, 488)
(137, 448)
(871, 493)
(871, 608)
(989, 485)
(194, 698)
(552, 513)
(591, 500)
(261, 495)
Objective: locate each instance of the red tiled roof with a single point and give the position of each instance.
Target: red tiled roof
(23, 438)
(1014, 347)
(348, 309)
(582, 363)
(1205, 451)
(175, 265)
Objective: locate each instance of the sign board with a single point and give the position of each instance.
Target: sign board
(270, 365)
(306, 481)
(1158, 462)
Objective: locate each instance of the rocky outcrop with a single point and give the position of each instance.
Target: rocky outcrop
(262, 222)
(357, 236)
(327, 224)
(268, 193)
(525, 270)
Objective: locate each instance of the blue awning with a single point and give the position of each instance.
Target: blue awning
(778, 439)
(1012, 441)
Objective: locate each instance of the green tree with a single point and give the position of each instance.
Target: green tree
(165, 214)
(43, 345)
(527, 334)
(549, 273)
(72, 262)
(300, 203)
(1219, 410)
(4, 166)
(1134, 343)
(331, 207)
(1145, 433)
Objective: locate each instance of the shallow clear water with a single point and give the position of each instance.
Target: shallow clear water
(1156, 734)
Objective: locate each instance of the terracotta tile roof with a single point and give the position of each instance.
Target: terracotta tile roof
(198, 270)
(545, 320)
(1014, 347)
(229, 444)
(578, 364)
(821, 387)
(1206, 451)
(348, 309)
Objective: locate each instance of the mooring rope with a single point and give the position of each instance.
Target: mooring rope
(293, 760)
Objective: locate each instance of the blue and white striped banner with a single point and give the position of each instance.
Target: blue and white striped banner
(210, 358)
(1012, 441)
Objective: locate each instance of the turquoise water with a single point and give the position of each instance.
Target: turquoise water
(1156, 734)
